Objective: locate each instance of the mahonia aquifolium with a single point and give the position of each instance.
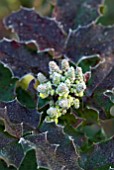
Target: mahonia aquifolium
(66, 86)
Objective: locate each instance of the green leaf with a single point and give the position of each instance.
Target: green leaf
(7, 83)
(107, 17)
(99, 156)
(25, 98)
(29, 161)
(10, 150)
(89, 61)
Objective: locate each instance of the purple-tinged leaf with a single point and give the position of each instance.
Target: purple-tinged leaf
(90, 40)
(21, 115)
(21, 59)
(13, 129)
(100, 155)
(53, 156)
(10, 150)
(101, 80)
(29, 25)
(75, 13)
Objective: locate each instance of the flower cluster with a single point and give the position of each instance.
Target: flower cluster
(66, 86)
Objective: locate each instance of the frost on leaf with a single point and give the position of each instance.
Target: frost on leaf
(7, 83)
(75, 13)
(10, 150)
(90, 40)
(45, 31)
(54, 154)
(99, 156)
(101, 81)
(22, 61)
(18, 114)
(13, 129)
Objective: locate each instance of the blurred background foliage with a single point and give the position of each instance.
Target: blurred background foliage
(45, 7)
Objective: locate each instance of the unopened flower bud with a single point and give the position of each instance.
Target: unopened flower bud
(79, 71)
(52, 112)
(56, 77)
(65, 65)
(64, 103)
(70, 74)
(53, 67)
(80, 87)
(42, 88)
(68, 82)
(62, 89)
(41, 78)
(76, 103)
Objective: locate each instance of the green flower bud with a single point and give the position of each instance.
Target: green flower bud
(56, 77)
(76, 103)
(62, 89)
(53, 67)
(68, 82)
(42, 88)
(79, 71)
(41, 78)
(70, 74)
(65, 65)
(52, 112)
(80, 87)
(64, 103)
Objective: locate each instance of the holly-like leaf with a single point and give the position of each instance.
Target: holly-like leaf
(25, 61)
(13, 129)
(98, 156)
(97, 86)
(75, 13)
(53, 152)
(46, 32)
(7, 83)
(29, 161)
(90, 40)
(21, 115)
(10, 150)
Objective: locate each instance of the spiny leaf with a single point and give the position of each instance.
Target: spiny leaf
(29, 161)
(45, 31)
(101, 80)
(21, 115)
(100, 155)
(54, 152)
(25, 61)
(10, 150)
(75, 13)
(90, 40)
(13, 129)
(7, 83)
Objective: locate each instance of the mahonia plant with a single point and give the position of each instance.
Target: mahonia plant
(64, 118)
(66, 85)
